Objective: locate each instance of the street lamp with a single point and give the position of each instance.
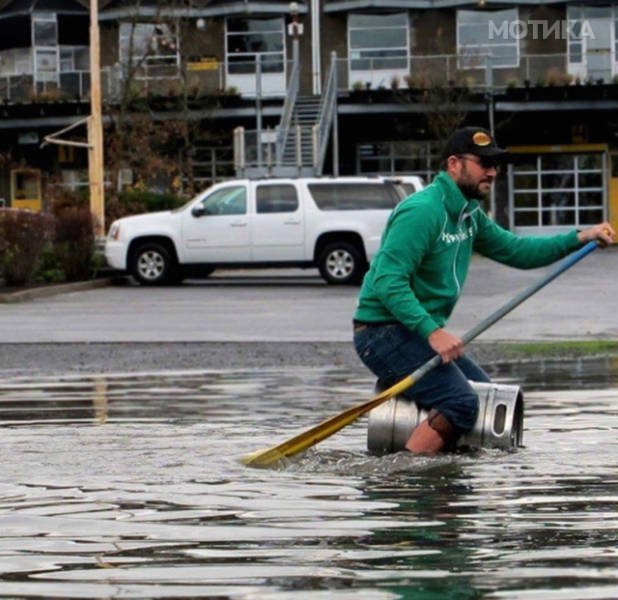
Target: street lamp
(295, 29)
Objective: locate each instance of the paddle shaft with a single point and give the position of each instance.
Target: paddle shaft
(319, 432)
(505, 309)
(533, 289)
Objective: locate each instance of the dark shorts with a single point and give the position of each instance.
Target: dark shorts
(392, 352)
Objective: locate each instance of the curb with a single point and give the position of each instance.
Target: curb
(53, 290)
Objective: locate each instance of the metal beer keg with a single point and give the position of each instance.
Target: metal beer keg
(499, 424)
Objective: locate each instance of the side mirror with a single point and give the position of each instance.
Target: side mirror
(198, 210)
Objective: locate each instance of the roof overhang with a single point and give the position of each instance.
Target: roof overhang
(351, 5)
(20, 8)
(246, 9)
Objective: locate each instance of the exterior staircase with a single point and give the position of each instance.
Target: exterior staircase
(304, 117)
(298, 148)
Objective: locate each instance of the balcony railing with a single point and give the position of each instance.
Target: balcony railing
(475, 72)
(167, 80)
(71, 85)
(413, 71)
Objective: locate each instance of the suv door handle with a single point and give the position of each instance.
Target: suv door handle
(238, 224)
(292, 222)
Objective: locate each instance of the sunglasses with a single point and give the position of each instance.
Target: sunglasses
(486, 162)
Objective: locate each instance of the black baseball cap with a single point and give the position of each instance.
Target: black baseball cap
(473, 140)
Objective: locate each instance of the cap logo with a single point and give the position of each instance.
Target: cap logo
(480, 138)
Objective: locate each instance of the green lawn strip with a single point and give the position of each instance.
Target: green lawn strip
(583, 347)
(557, 349)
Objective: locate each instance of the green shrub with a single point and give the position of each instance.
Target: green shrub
(74, 242)
(23, 236)
(151, 201)
(49, 269)
(136, 202)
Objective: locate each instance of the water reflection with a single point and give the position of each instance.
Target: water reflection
(130, 486)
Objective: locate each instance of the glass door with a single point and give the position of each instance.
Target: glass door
(599, 50)
(45, 43)
(250, 40)
(378, 49)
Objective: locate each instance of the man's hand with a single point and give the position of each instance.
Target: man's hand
(448, 346)
(603, 233)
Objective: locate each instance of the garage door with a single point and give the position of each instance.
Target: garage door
(555, 192)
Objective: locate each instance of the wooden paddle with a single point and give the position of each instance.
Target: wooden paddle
(317, 433)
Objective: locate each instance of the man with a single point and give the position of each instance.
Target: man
(417, 276)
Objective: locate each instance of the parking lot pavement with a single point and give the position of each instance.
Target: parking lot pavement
(297, 306)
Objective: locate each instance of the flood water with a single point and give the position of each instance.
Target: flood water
(130, 486)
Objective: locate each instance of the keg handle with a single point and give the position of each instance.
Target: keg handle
(323, 430)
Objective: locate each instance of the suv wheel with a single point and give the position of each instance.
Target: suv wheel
(152, 264)
(341, 263)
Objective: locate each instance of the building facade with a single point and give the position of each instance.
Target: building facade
(542, 75)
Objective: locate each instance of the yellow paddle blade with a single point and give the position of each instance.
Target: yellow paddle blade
(310, 437)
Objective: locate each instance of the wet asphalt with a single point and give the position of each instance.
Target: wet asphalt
(285, 318)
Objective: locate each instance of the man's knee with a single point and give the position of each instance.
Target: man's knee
(461, 412)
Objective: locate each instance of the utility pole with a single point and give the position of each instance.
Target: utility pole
(95, 127)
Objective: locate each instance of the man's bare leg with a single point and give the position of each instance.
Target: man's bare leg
(431, 435)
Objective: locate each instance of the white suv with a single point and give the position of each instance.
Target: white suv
(332, 223)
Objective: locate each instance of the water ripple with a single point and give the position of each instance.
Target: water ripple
(130, 486)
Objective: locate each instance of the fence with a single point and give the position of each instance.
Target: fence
(474, 71)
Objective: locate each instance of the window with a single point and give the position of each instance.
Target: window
(378, 41)
(26, 189)
(16, 62)
(46, 68)
(408, 188)
(248, 39)
(44, 30)
(575, 46)
(74, 59)
(377, 48)
(226, 201)
(558, 190)
(353, 196)
(592, 42)
(45, 43)
(487, 33)
(74, 180)
(26, 184)
(276, 199)
(153, 44)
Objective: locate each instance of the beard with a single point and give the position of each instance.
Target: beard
(473, 191)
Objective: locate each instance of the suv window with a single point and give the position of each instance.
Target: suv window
(408, 188)
(227, 201)
(276, 198)
(353, 196)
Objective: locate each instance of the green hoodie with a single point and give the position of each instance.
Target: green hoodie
(418, 274)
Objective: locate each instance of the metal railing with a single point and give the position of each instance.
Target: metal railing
(473, 71)
(328, 106)
(71, 85)
(248, 162)
(288, 111)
